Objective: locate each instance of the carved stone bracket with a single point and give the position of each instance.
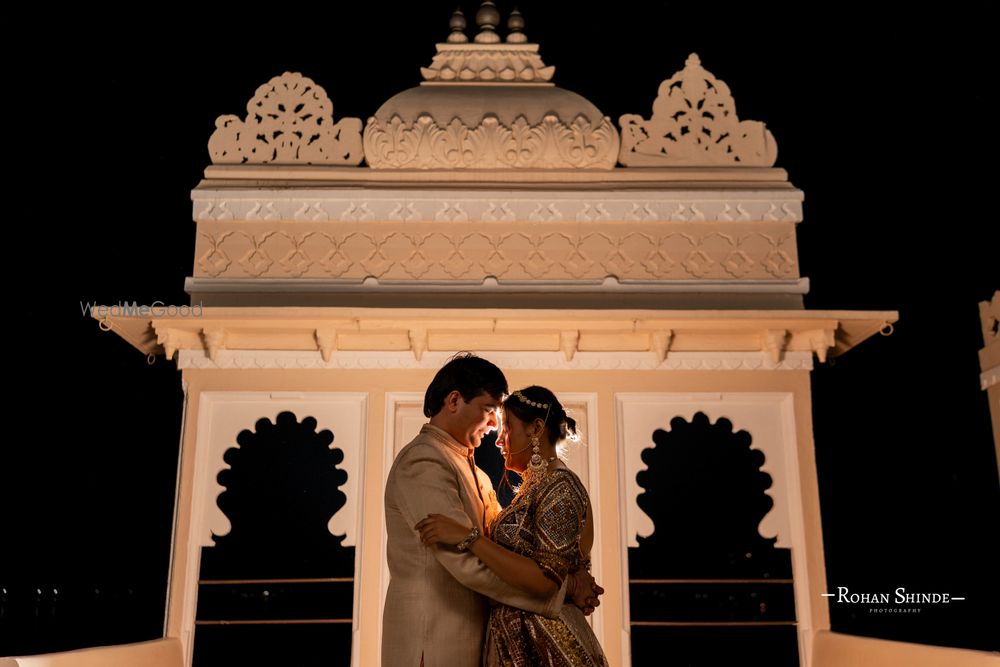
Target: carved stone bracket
(773, 342)
(326, 340)
(569, 342)
(169, 339)
(215, 340)
(821, 341)
(989, 314)
(418, 342)
(660, 343)
(989, 378)
(289, 121)
(694, 123)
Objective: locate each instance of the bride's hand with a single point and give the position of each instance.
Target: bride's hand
(584, 592)
(439, 529)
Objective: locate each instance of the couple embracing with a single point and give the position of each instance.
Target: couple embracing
(473, 584)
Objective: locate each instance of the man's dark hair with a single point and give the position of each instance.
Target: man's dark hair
(470, 376)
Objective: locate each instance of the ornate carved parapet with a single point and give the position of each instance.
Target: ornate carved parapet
(694, 123)
(289, 121)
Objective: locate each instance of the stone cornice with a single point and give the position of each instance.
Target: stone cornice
(773, 333)
(492, 286)
(657, 178)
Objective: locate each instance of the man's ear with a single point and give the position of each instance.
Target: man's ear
(451, 401)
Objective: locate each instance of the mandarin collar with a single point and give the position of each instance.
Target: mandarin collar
(445, 438)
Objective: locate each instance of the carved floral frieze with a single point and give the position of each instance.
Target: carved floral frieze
(551, 143)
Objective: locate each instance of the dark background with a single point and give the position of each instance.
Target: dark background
(882, 119)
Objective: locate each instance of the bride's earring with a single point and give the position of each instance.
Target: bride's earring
(536, 465)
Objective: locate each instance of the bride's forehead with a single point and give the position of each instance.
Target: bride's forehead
(508, 415)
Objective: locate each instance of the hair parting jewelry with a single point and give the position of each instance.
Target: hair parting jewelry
(535, 404)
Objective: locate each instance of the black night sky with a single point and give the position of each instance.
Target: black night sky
(882, 120)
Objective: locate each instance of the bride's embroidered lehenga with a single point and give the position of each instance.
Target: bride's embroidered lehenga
(544, 522)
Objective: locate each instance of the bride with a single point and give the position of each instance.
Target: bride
(544, 534)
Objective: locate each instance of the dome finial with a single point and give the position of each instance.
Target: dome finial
(515, 26)
(457, 25)
(488, 59)
(487, 19)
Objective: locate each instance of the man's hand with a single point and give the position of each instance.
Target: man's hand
(584, 592)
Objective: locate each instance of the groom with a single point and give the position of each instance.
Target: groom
(436, 606)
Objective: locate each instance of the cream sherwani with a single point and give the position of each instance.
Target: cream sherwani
(437, 605)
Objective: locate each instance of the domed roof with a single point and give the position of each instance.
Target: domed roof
(471, 103)
(491, 105)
